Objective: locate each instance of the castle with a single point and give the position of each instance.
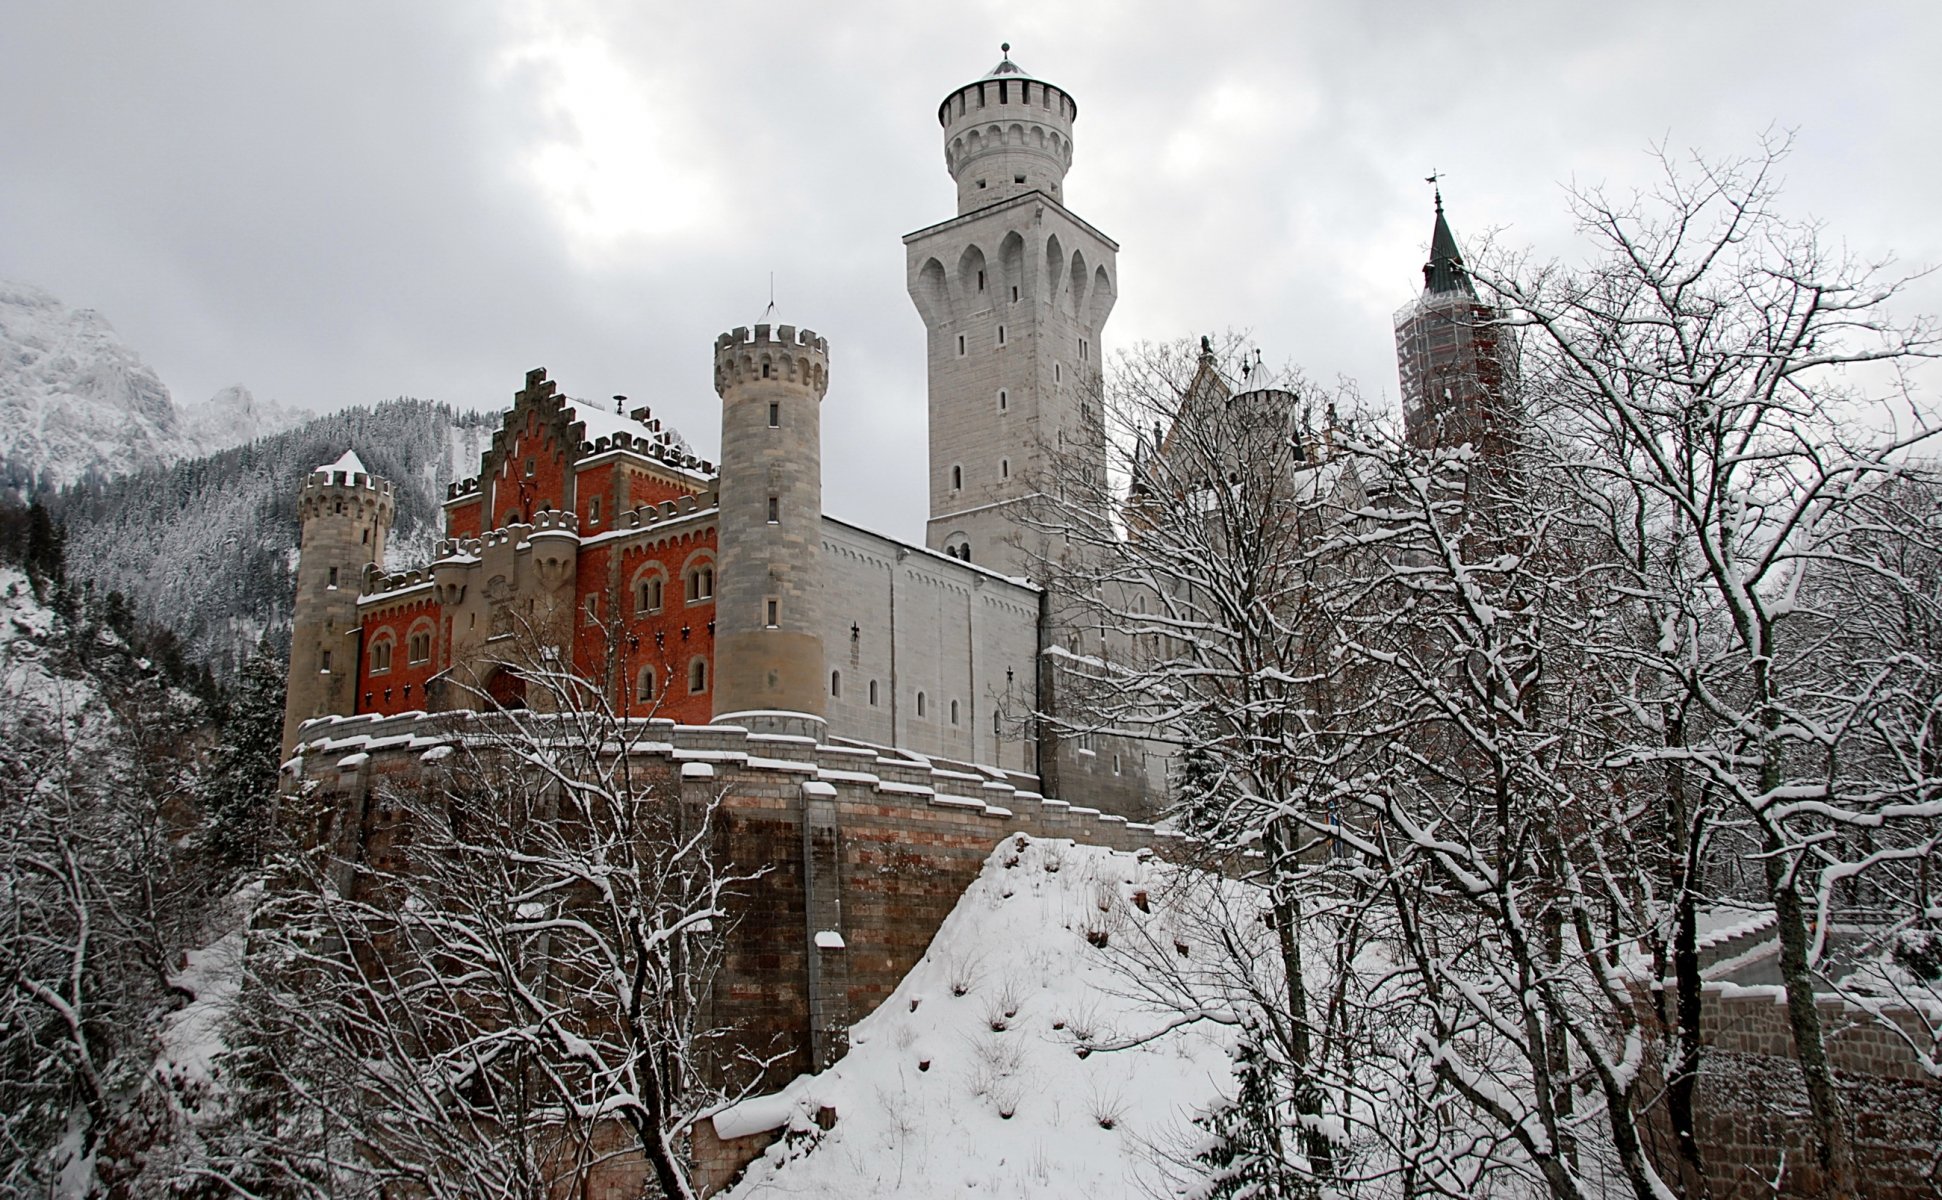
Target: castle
(865, 712)
(702, 592)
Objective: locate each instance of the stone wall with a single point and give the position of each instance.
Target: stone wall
(1751, 1107)
(864, 851)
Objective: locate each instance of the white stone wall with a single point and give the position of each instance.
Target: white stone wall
(1040, 350)
(924, 623)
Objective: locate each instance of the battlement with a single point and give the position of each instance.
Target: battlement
(555, 523)
(786, 336)
(799, 357)
(317, 481)
(329, 490)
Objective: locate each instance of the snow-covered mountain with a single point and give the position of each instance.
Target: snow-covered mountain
(76, 402)
(233, 417)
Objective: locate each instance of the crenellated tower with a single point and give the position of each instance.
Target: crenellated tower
(768, 644)
(346, 515)
(1014, 292)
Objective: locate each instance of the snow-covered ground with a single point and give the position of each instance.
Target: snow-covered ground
(969, 1080)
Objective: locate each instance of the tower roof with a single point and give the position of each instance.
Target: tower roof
(350, 462)
(1005, 71)
(1445, 273)
(1006, 67)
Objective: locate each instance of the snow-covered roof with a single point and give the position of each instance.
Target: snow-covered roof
(349, 462)
(604, 423)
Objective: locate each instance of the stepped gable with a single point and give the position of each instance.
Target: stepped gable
(552, 451)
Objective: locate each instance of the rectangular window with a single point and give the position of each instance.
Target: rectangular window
(593, 608)
(1018, 179)
(1082, 349)
(531, 468)
(1014, 293)
(981, 281)
(593, 511)
(775, 510)
(773, 612)
(1058, 372)
(1001, 335)
(1004, 400)
(775, 415)
(960, 345)
(323, 664)
(333, 578)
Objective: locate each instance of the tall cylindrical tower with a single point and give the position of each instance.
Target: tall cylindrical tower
(346, 513)
(768, 651)
(1007, 134)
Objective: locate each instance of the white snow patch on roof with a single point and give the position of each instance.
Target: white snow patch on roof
(349, 461)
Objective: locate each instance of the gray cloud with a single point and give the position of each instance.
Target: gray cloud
(337, 204)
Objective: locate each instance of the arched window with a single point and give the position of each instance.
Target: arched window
(957, 479)
(954, 712)
(418, 647)
(873, 689)
(648, 593)
(701, 583)
(698, 676)
(644, 690)
(381, 655)
(920, 704)
(836, 683)
(997, 725)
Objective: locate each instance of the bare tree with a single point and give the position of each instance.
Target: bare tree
(1698, 378)
(100, 888)
(1189, 602)
(496, 980)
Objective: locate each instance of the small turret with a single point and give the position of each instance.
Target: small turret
(768, 651)
(346, 513)
(1007, 134)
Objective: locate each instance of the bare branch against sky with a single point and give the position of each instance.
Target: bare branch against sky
(340, 203)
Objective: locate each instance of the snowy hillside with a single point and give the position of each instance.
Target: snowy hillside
(77, 402)
(978, 1077)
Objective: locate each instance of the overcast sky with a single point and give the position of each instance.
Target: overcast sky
(338, 203)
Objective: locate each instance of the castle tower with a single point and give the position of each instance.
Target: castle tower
(346, 513)
(768, 648)
(1449, 356)
(1014, 292)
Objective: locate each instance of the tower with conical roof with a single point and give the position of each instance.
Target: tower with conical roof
(1014, 292)
(1451, 357)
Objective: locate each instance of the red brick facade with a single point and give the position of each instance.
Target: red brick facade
(653, 648)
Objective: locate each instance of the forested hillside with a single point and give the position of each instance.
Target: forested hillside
(207, 547)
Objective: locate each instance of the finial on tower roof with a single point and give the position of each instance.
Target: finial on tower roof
(1005, 49)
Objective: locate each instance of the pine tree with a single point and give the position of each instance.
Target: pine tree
(243, 774)
(1246, 1156)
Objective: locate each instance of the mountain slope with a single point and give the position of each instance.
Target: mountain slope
(207, 546)
(76, 402)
